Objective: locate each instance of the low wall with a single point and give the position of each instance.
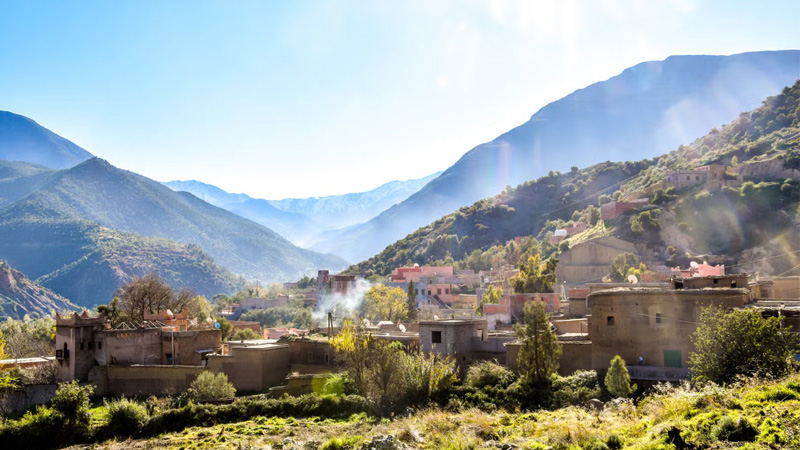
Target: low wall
(143, 380)
(26, 397)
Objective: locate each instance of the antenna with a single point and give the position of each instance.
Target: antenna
(693, 264)
(632, 279)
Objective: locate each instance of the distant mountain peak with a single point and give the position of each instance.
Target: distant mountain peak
(22, 139)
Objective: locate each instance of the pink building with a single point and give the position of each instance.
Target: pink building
(406, 274)
(700, 270)
(613, 210)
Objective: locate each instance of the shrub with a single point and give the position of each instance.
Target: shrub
(618, 382)
(208, 386)
(124, 417)
(488, 373)
(614, 442)
(576, 389)
(245, 334)
(594, 444)
(737, 430)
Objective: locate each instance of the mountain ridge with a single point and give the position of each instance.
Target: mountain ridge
(22, 139)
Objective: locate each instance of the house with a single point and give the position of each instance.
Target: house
(590, 261)
(700, 270)
(612, 210)
(562, 233)
(454, 337)
(511, 307)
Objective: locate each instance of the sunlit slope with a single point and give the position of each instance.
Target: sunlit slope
(734, 224)
(645, 111)
(20, 296)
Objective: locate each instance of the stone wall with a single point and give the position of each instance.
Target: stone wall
(143, 380)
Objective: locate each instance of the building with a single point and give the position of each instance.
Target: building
(406, 274)
(713, 177)
(511, 307)
(455, 337)
(573, 229)
(612, 210)
(589, 261)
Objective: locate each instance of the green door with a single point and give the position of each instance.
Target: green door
(672, 358)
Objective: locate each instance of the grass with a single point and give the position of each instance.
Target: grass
(750, 415)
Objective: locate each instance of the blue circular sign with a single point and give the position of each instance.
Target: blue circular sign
(217, 325)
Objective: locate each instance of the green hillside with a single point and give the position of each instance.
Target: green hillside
(99, 192)
(758, 218)
(19, 296)
(86, 262)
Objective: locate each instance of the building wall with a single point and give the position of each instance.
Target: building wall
(574, 356)
(634, 322)
(143, 380)
(310, 352)
(253, 369)
(456, 337)
(785, 288)
(589, 261)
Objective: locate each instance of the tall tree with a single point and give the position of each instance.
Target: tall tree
(740, 342)
(412, 301)
(618, 381)
(618, 271)
(149, 294)
(540, 349)
(491, 296)
(535, 276)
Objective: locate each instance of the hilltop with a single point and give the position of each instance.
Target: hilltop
(19, 296)
(22, 139)
(756, 217)
(647, 110)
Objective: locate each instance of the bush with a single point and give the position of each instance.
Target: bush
(614, 442)
(737, 430)
(208, 386)
(488, 373)
(124, 417)
(576, 389)
(245, 334)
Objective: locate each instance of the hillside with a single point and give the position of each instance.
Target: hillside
(738, 224)
(19, 296)
(98, 192)
(22, 139)
(86, 262)
(18, 179)
(295, 227)
(645, 111)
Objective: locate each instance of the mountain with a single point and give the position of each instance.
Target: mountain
(20, 296)
(301, 219)
(749, 224)
(18, 179)
(98, 192)
(339, 211)
(22, 139)
(87, 262)
(295, 227)
(646, 110)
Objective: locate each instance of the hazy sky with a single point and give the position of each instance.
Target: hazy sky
(309, 98)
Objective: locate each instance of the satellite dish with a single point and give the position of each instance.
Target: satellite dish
(209, 320)
(693, 264)
(632, 279)
(402, 328)
(217, 325)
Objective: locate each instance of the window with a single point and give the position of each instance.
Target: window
(91, 345)
(169, 359)
(81, 345)
(310, 357)
(659, 318)
(99, 345)
(439, 291)
(436, 337)
(733, 284)
(610, 321)
(326, 358)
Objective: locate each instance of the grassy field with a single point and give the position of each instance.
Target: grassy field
(751, 415)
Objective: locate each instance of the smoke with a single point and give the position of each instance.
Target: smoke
(340, 305)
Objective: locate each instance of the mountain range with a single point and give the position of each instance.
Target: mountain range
(22, 139)
(301, 219)
(646, 110)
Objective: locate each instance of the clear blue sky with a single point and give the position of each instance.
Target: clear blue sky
(309, 98)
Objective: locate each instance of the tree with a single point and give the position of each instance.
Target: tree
(535, 276)
(225, 327)
(149, 294)
(245, 334)
(740, 342)
(385, 303)
(540, 349)
(618, 271)
(618, 382)
(199, 308)
(208, 386)
(491, 296)
(412, 301)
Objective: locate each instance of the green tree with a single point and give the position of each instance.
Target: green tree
(740, 342)
(385, 303)
(535, 276)
(225, 327)
(245, 334)
(491, 296)
(618, 271)
(412, 301)
(618, 381)
(208, 386)
(71, 402)
(540, 349)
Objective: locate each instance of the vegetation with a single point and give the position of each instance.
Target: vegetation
(285, 316)
(540, 349)
(738, 343)
(386, 303)
(617, 381)
(208, 386)
(245, 334)
(535, 276)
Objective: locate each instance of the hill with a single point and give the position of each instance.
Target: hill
(22, 139)
(98, 192)
(19, 296)
(753, 224)
(86, 262)
(295, 227)
(645, 111)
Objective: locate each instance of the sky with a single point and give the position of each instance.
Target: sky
(300, 98)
